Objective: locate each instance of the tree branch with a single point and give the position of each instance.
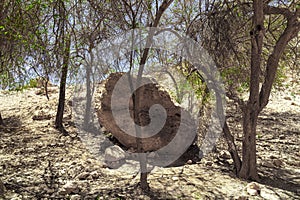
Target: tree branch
(269, 10)
(291, 31)
(232, 147)
(161, 10)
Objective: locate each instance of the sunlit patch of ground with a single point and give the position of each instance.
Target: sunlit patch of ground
(36, 162)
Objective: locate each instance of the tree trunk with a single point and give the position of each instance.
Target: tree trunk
(251, 111)
(62, 89)
(249, 169)
(143, 160)
(142, 157)
(87, 115)
(232, 148)
(1, 120)
(2, 189)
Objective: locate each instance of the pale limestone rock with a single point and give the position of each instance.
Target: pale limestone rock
(253, 189)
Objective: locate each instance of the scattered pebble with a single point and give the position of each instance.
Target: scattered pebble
(253, 189)
(277, 162)
(83, 175)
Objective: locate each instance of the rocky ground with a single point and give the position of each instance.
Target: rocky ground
(37, 162)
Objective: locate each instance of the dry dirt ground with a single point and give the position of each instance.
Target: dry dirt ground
(37, 162)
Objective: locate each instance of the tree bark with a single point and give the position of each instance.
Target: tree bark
(251, 111)
(290, 32)
(2, 189)
(259, 99)
(1, 120)
(249, 168)
(87, 115)
(232, 148)
(62, 89)
(136, 102)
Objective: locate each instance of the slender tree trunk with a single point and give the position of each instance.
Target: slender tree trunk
(62, 89)
(2, 189)
(1, 120)
(232, 148)
(259, 99)
(142, 157)
(46, 87)
(249, 167)
(87, 115)
(137, 103)
(251, 111)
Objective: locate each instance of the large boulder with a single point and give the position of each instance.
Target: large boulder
(149, 94)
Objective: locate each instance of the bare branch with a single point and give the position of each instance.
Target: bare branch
(269, 10)
(291, 31)
(232, 147)
(161, 10)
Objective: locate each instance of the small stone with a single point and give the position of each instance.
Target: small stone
(288, 98)
(68, 188)
(252, 192)
(281, 137)
(253, 189)
(115, 164)
(83, 175)
(209, 163)
(75, 197)
(277, 163)
(268, 164)
(175, 178)
(114, 153)
(273, 157)
(152, 155)
(150, 168)
(103, 129)
(189, 162)
(95, 174)
(225, 155)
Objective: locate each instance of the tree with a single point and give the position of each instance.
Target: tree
(18, 40)
(62, 88)
(246, 41)
(225, 25)
(92, 30)
(259, 98)
(153, 22)
(1, 120)
(64, 44)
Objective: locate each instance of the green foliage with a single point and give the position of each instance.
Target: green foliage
(235, 77)
(244, 87)
(174, 96)
(281, 75)
(33, 83)
(259, 135)
(195, 82)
